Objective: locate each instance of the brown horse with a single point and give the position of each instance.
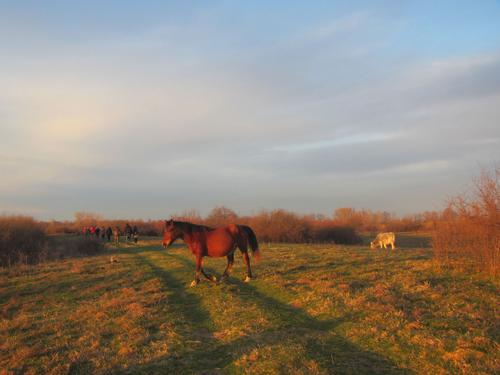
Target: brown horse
(205, 241)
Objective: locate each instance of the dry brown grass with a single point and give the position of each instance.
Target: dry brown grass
(312, 309)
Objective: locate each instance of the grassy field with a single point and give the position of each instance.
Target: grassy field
(312, 309)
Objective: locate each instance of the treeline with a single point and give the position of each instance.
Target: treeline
(273, 225)
(383, 221)
(342, 227)
(26, 241)
(270, 226)
(87, 219)
(466, 232)
(280, 226)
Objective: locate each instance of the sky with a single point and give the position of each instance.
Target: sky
(146, 109)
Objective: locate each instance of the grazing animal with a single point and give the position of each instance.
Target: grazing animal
(205, 241)
(384, 239)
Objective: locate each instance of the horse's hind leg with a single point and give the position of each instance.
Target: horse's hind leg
(243, 246)
(227, 271)
(208, 276)
(249, 270)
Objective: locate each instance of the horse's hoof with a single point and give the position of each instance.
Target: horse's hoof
(247, 279)
(193, 284)
(213, 278)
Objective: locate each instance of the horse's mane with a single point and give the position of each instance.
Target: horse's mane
(190, 227)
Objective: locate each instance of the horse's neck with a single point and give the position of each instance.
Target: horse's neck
(191, 235)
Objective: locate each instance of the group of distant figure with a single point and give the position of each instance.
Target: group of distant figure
(131, 233)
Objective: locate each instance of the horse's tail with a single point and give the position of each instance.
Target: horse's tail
(252, 241)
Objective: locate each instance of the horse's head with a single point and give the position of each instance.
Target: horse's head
(170, 233)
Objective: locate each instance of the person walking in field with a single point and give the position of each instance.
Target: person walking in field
(109, 233)
(116, 235)
(128, 232)
(135, 234)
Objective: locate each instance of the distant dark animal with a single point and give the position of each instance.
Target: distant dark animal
(205, 241)
(384, 239)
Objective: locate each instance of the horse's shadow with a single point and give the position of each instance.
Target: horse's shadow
(320, 343)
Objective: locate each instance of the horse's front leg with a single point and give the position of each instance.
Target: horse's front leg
(196, 280)
(227, 271)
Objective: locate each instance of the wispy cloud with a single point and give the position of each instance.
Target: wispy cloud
(338, 141)
(339, 26)
(215, 110)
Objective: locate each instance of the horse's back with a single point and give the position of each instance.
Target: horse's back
(221, 241)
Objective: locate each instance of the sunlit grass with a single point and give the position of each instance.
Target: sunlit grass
(312, 309)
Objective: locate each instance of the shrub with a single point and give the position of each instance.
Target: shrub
(148, 228)
(469, 231)
(280, 226)
(22, 240)
(89, 246)
(59, 227)
(221, 216)
(327, 231)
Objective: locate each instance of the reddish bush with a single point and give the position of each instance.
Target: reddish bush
(280, 226)
(191, 216)
(469, 231)
(382, 221)
(22, 241)
(220, 216)
(59, 227)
